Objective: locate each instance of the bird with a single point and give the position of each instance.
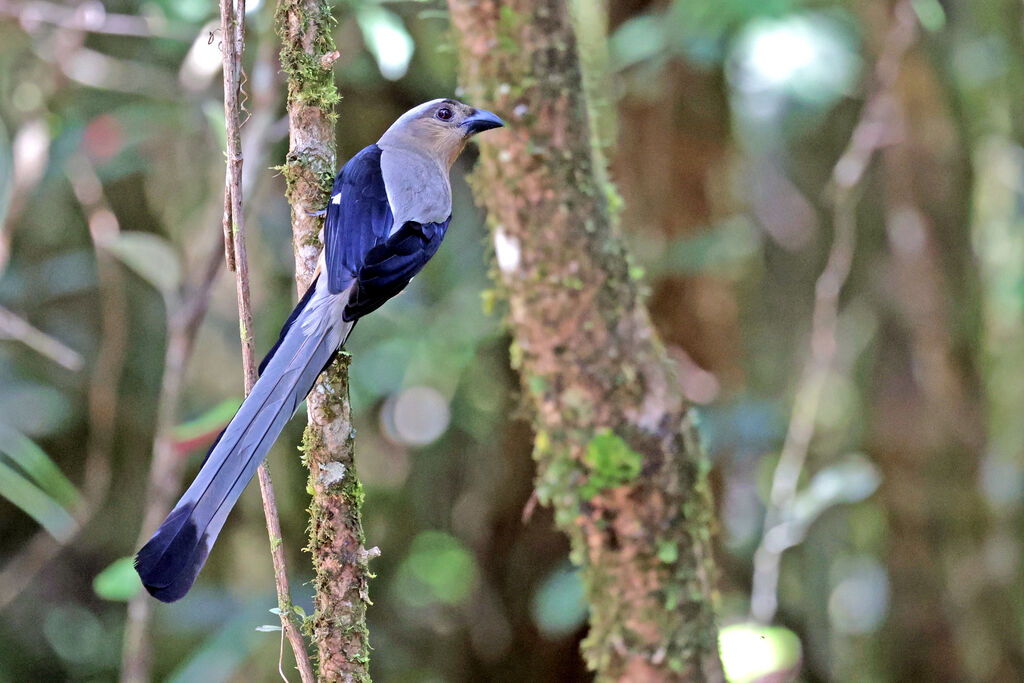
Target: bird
(389, 210)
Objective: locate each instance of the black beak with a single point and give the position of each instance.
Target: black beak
(480, 121)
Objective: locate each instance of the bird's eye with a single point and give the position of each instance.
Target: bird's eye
(444, 113)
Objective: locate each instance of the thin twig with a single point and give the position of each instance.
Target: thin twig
(873, 131)
(232, 30)
(229, 240)
(19, 329)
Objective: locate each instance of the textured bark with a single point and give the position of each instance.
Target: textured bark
(338, 625)
(616, 448)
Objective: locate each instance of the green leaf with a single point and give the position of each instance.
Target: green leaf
(212, 419)
(119, 582)
(151, 257)
(439, 568)
(38, 466)
(36, 504)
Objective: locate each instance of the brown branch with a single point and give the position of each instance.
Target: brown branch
(340, 561)
(103, 384)
(875, 129)
(233, 36)
(229, 239)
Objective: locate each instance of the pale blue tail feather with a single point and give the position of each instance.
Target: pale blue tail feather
(169, 563)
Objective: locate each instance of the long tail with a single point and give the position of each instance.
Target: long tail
(169, 563)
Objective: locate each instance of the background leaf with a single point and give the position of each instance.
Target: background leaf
(36, 504)
(119, 581)
(38, 465)
(153, 258)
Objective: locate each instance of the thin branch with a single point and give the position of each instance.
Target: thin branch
(232, 30)
(874, 130)
(19, 329)
(229, 240)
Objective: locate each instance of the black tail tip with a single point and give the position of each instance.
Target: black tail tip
(158, 586)
(169, 592)
(170, 562)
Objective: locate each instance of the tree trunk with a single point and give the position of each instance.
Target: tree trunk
(617, 451)
(335, 531)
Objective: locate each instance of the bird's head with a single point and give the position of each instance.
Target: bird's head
(439, 128)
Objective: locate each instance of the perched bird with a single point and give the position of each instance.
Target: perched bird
(388, 212)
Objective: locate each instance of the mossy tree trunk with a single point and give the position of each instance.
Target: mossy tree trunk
(616, 448)
(338, 626)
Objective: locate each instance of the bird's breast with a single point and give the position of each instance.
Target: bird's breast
(417, 186)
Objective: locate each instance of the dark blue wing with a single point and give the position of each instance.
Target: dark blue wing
(388, 267)
(358, 220)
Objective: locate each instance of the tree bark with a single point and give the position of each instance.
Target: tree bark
(340, 561)
(617, 451)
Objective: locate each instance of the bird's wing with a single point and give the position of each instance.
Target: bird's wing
(389, 266)
(358, 218)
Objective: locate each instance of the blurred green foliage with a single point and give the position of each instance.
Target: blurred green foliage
(731, 116)
(119, 582)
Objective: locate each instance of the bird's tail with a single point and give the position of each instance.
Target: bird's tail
(169, 563)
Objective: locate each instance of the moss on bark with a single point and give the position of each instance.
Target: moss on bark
(340, 562)
(617, 452)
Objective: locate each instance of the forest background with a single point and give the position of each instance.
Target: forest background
(825, 201)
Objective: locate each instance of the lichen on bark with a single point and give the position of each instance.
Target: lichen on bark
(340, 562)
(617, 452)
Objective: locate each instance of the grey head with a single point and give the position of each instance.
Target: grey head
(438, 129)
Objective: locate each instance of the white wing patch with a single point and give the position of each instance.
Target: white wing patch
(336, 199)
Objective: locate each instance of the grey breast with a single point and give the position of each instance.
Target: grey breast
(417, 186)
